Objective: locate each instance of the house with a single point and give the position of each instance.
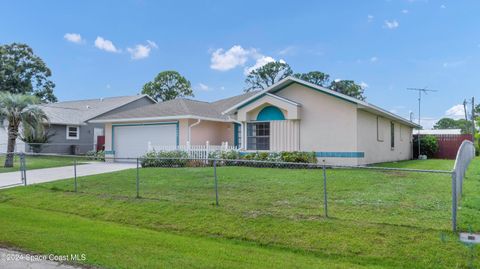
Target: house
(19, 145)
(67, 122)
(291, 115)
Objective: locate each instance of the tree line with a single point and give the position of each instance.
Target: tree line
(168, 85)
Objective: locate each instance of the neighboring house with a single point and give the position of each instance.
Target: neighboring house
(19, 145)
(291, 115)
(71, 133)
(449, 141)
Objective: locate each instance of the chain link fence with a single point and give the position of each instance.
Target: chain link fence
(67, 148)
(252, 188)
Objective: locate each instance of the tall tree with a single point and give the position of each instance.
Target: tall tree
(448, 123)
(23, 72)
(315, 77)
(19, 110)
(267, 75)
(348, 87)
(168, 85)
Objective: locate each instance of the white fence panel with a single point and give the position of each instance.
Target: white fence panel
(198, 152)
(465, 154)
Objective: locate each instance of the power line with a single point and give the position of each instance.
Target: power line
(420, 91)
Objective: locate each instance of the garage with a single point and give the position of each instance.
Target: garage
(131, 141)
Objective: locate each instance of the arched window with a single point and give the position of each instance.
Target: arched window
(270, 113)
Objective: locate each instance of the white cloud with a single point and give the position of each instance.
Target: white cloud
(261, 61)
(105, 45)
(443, 6)
(141, 51)
(108, 86)
(373, 59)
(225, 60)
(74, 38)
(427, 122)
(337, 80)
(363, 85)
(203, 87)
(453, 64)
(391, 24)
(456, 112)
(405, 11)
(152, 44)
(370, 18)
(286, 51)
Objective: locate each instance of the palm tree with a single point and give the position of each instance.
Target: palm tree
(19, 110)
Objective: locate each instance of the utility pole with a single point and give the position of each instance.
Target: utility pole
(465, 109)
(420, 91)
(473, 119)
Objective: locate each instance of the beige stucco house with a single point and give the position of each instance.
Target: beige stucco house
(291, 115)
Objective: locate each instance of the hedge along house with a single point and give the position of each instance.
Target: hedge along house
(291, 115)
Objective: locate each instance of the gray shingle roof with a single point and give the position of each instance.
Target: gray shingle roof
(180, 107)
(78, 112)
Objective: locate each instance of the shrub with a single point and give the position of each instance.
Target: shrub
(477, 145)
(249, 156)
(226, 155)
(428, 145)
(96, 155)
(165, 159)
(181, 159)
(261, 156)
(36, 137)
(298, 157)
(284, 156)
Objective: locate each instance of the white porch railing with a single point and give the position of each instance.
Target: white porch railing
(200, 152)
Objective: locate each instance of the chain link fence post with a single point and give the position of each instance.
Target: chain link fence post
(138, 179)
(23, 168)
(325, 200)
(216, 181)
(75, 174)
(21, 165)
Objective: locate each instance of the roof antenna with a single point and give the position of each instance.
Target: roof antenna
(420, 91)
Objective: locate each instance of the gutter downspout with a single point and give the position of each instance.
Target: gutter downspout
(241, 126)
(190, 130)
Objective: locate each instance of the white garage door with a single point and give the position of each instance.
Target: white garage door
(132, 141)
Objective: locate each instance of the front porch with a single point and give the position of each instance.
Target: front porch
(270, 123)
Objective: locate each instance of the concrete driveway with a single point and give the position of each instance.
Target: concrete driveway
(12, 179)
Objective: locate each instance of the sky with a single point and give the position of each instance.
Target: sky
(111, 48)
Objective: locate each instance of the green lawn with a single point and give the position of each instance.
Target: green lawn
(37, 162)
(433, 164)
(268, 217)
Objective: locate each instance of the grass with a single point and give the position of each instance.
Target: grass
(37, 162)
(267, 218)
(433, 164)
